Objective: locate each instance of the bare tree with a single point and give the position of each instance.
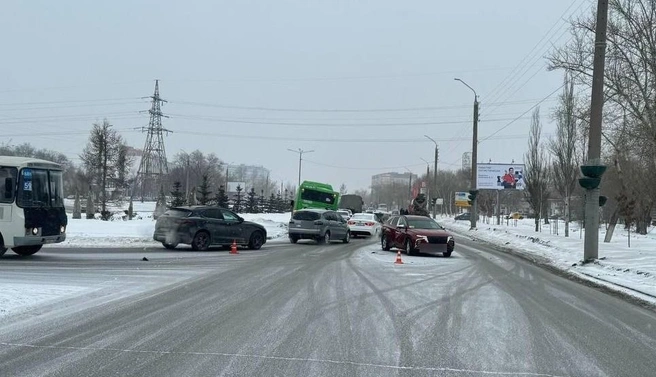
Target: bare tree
(630, 87)
(100, 158)
(563, 148)
(536, 174)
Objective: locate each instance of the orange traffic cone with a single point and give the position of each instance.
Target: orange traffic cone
(233, 247)
(398, 258)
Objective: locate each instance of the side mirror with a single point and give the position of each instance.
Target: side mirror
(240, 219)
(9, 188)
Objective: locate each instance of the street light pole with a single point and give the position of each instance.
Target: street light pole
(474, 212)
(437, 153)
(300, 162)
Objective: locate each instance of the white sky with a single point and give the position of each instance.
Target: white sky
(67, 64)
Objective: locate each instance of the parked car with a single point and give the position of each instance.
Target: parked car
(205, 226)
(463, 216)
(320, 225)
(515, 216)
(417, 234)
(364, 224)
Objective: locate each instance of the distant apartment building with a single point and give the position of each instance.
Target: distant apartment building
(386, 179)
(255, 176)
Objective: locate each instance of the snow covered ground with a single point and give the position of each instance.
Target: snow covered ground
(631, 270)
(139, 231)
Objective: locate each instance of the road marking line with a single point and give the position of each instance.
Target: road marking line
(282, 358)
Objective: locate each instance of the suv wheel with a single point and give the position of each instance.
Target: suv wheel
(201, 241)
(256, 241)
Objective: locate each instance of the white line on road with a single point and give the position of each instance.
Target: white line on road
(281, 358)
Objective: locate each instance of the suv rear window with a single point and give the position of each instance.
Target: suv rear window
(177, 213)
(306, 215)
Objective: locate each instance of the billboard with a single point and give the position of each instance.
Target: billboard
(232, 186)
(500, 176)
(461, 199)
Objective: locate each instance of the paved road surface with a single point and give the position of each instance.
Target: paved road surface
(310, 310)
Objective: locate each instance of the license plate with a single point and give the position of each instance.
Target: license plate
(360, 224)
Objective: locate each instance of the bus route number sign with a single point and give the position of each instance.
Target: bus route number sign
(27, 179)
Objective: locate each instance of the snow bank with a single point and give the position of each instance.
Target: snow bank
(138, 232)
(628, 269)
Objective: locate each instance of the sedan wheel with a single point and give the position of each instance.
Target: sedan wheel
(384, 243)
(409, 250)
(347, 237)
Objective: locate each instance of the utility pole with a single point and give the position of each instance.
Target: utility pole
(300, 162)
(437, 153)
(593, 170)
(474, 191)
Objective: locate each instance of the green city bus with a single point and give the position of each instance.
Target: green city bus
(316, 195)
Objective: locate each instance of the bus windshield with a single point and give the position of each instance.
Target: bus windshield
(318, 196)
(40, 188)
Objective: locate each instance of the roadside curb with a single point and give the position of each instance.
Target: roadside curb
(605, 286)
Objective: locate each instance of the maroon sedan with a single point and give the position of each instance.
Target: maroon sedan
(417, 234)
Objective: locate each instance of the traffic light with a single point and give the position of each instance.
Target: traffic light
(602, 200)
(433, 201)
(472, 196)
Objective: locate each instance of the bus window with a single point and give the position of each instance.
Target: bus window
(33, 188)
(56, 188)
(318, 196)
(7, 184)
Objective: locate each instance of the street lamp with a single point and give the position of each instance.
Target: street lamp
(300, 161)
(437, 153)
(473, 190)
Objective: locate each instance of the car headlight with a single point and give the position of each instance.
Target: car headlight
(35, 231)
(62, 229)
(421, 239)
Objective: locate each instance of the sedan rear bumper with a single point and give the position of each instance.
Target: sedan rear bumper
(362, 230)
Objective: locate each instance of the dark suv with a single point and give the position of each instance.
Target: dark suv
(204, 226)
(320, 225)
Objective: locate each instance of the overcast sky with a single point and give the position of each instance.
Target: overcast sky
(250, 79)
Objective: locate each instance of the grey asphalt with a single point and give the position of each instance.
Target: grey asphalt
(313, 310)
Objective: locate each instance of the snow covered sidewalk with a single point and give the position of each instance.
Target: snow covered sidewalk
(630, 270)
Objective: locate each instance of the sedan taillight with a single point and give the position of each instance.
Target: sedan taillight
(369, 224)
(351, 222)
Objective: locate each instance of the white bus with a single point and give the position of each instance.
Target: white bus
(31, 204)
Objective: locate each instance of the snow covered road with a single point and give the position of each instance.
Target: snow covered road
(312, 310)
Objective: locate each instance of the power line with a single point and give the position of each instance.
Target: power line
(362, 168)
(210, 119)
(519, 117)
(260, 108)
(529, 54)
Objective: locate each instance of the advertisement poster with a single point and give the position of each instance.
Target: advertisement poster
(500, 177)
(461, 199)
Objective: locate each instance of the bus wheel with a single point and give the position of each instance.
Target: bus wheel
(26, 250)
